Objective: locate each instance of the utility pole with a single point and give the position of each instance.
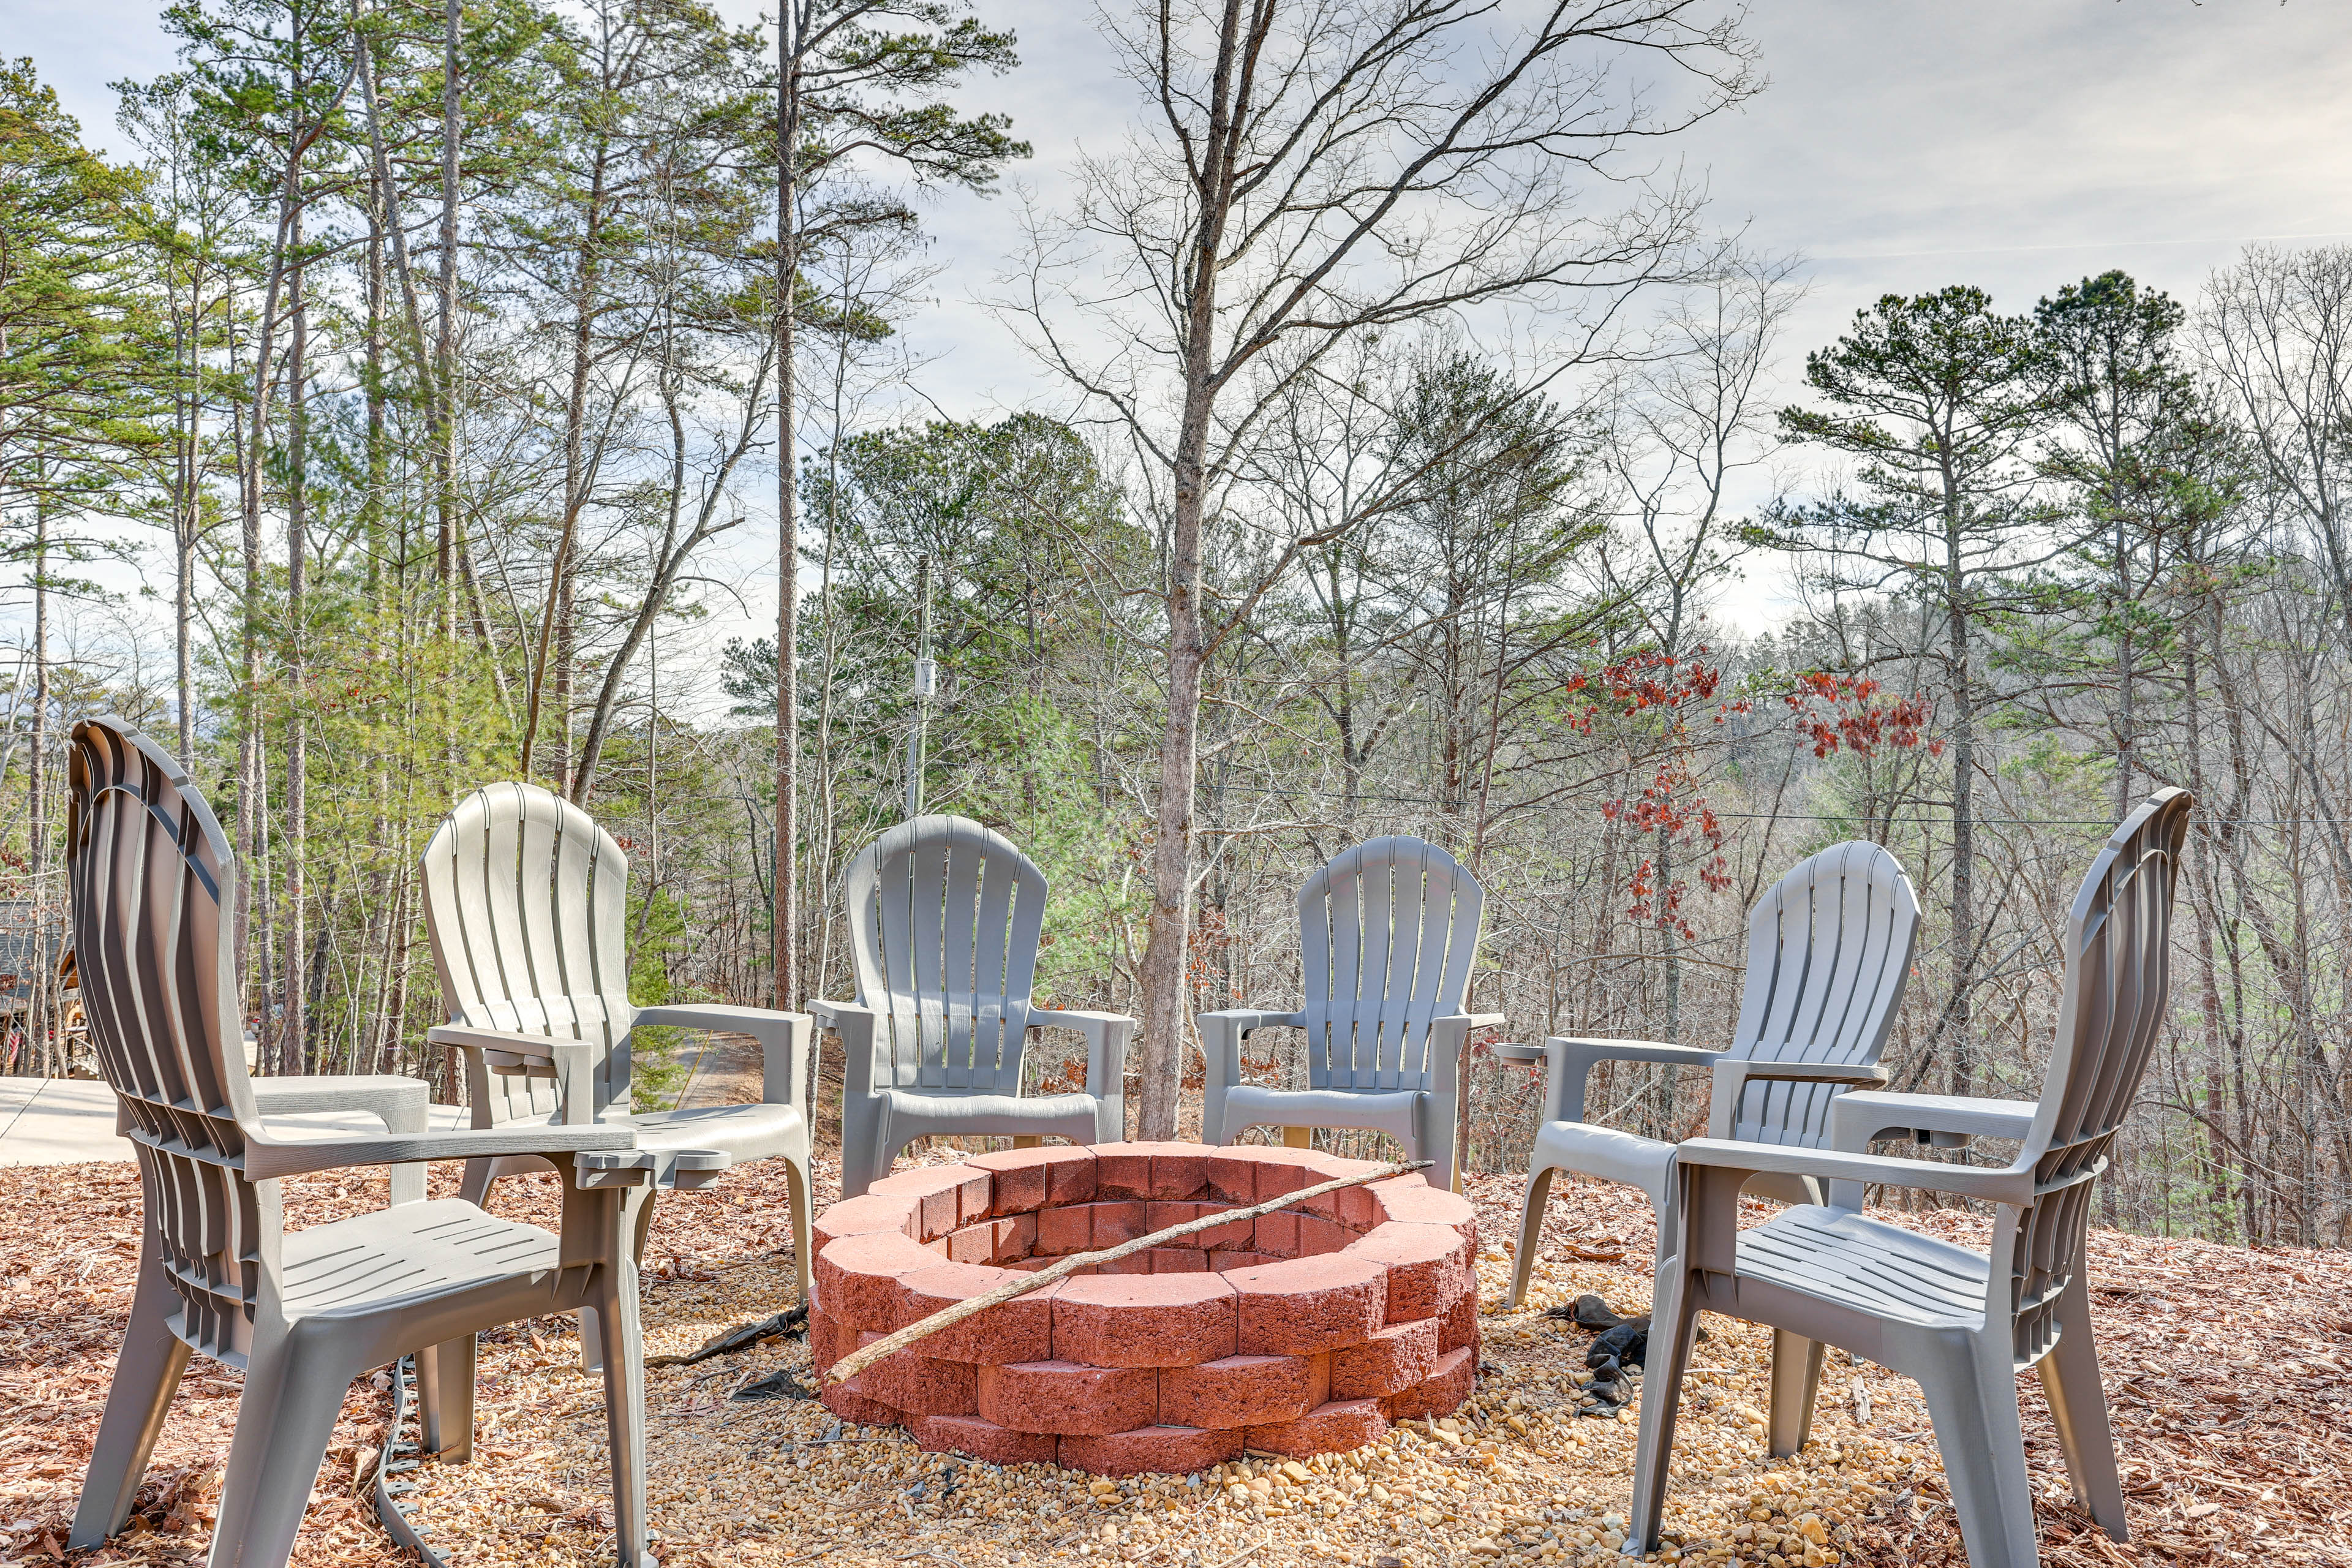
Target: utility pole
(926, 683)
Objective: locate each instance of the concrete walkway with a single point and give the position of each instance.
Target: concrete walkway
(57, 1121)
(69, 1121)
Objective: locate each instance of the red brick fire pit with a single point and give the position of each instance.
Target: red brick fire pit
(1306, 1332)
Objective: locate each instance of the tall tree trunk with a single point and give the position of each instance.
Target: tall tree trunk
(784, 954)
(555, 630)
(1166, 1027)
(1958, 1021)
(2127, 715)
(294, 1035)
(444, 347)
(187, 430)
(43, 1019)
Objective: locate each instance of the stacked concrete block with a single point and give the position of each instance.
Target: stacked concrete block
(1301, 1333)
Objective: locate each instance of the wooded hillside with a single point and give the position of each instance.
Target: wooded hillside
(372, 416)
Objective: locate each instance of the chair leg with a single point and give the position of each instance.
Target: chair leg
(886, 1154)
(146, 1375)
(1972, 1404)
(474, 1185)
(1298, 1137)
(1796, 1381)
(643, 1227)
(1673, 1307)
(863, 1126)
(591, 1337)
(294, 1387)
(2078, 1408)
(444, 1388)
(624, 1404)
(1435, 1143)
(796, 1178)
(1531, 1219)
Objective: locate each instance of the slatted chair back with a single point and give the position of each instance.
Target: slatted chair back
(528, 900)
(944, 920)
(148, 874)
(1388, 932)
(2117, 986)
(1829, 948)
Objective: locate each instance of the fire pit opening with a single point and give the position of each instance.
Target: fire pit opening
(1303, 1331)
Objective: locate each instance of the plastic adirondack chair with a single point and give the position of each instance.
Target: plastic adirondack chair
(526, 899)
(1962, 1322)
(944, 918)
(1828, 952)
(151, 875)
(1388, 932)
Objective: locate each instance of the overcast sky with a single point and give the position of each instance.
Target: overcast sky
(1902, 145)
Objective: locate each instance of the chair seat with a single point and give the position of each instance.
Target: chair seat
(744, 1131)
(1867, 1265)
(1391, 1110)
(408, 1253)
(990, 1113)
(1591, 1150)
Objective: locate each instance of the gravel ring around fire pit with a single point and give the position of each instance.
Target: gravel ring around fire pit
(1301, 1333)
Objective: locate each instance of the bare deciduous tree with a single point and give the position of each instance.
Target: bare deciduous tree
(1311, 172)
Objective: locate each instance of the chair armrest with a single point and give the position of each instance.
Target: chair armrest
(402, 1104)
(2006, 1185)
(1244, 1019)
(399, 1101)
(266, 1159)
(573, 1061)
(785, 1042)
(1734, 1074)
(1574, 1057)
(1221, 1058)
(1802, 1072)
(863, 1047)
(1220, 1039)
(1950, 1119)
(1447, 1038)
(1108, 1035)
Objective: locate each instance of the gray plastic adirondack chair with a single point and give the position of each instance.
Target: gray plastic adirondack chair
(526, 899)
(944, 920)
(1829, 953)
(1389, 932)
(150, 876)
(1962, 1322)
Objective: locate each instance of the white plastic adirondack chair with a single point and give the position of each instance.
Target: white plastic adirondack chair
(150, 875)
(944, 920)
(1829, 953)
(1964, 1324)
(526, 899)
(1388, 932)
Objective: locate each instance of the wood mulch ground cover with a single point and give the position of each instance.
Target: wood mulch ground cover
(2227, 1371)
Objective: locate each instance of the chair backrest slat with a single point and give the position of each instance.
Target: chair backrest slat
(2117, 988)
(1388, 934)
(1828, 952)
(149, 875)
(945, 917)
(526, 896)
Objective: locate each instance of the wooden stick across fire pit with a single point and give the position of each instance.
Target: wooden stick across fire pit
(857, 1360)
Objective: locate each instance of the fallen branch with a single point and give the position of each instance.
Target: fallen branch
(857, 1360)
